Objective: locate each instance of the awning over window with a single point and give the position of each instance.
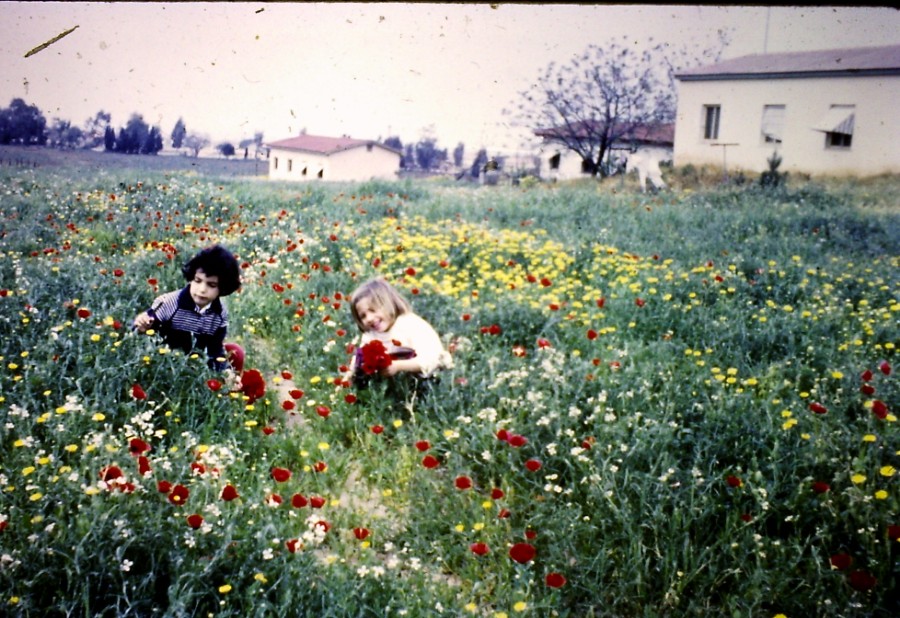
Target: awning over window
(837, 120)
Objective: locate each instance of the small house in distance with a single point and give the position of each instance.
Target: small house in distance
(561, 163)
(316, 157)
(831, 111)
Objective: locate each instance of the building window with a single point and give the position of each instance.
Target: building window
(837, 125)
(711, 115)
(303, 173)
(290, 165)
(772, 124)
(554, 161)
(276, 163)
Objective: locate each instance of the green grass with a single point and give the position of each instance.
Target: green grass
(659, 353)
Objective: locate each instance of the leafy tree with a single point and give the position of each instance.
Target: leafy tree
(458, 154)
(196, 143)
(178, 134)
(21, 123)
(408, 160)
(95, 129)
(109, 139)
(428, 156)
(137, 137)
(62, 134)
(478, 164)
(153, 143)
(226, 149)
(602, 96)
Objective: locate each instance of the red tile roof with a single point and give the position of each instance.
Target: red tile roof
(320, 144)
(853, 61)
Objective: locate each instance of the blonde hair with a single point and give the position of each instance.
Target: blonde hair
(384, 296)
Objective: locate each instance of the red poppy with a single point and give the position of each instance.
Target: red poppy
(867, 389)
(543, 343)
(268, 430)
(423, 445)
(3, 525)
(555, 580)
(111, 473)
(278, 288)
(298, 501)
(195, 520)
(733, 481)
(746, 518)
(178, 495)
(320, 466)
(324, 525)
(818, 408)
(281, 474)
(533, 465)
(820, 487)
(137, 392)
(479, 549)
(229, 493)
(293, 545)
(287, 375)
(83, 313)
(373, 357)
(866, 375)
(361, 533)
(601, 302)
(503, 514)
(274, 500)
(591, 334)
(517, 440)
(136, 446)
(317, 502)
(519, 351)
(879, 409)
(143, 465)
(213, 385)
(118, 272)
(840, 561)
(253, 385)
(152, 281)
(296, 393)
(323, 411)
(163, 487)
(497, 493)
(522, 552)
(884, 367)
(377, 429)
(893, 532)
(430, 461)
(502, 434)
(639, 302)
(350, 398)
(287, 405)
(530, 534)
(198, 468)
(494, 329)
(862, 580)
(463, 482)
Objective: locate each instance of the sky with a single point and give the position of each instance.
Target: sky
(367, 70)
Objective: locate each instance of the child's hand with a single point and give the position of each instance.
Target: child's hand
(143, 322)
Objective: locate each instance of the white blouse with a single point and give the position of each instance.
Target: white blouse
(411, 331)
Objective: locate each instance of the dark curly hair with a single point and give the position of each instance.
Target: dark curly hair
(216, 261)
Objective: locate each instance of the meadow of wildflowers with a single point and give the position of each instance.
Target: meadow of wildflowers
(672, 405)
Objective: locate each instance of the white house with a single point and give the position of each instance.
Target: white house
(827, 112)
(314, 157)
(558, 162)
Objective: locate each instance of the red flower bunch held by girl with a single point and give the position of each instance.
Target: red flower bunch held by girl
(373, 357)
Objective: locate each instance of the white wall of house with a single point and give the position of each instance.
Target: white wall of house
(354, 164)
(569, 166)
(874, 147)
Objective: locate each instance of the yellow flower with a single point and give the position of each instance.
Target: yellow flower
(398, 423)
(888, 471)
(225, 588)
(869, 438)
(99, 416)
(521, 606)
(858, 478)
(324, 446)
(881, 495)
(261, 578)
(36, 496)
(471, 607)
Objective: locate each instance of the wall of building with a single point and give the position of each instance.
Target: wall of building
(874, 148)
(355, 164)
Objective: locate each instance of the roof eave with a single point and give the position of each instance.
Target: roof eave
(687, 77)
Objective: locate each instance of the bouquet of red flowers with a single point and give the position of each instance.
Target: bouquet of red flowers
(375, 356)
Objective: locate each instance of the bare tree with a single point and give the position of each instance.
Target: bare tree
(195, 143)
(605, 95)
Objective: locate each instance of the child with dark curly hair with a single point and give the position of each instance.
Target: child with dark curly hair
(194, 317)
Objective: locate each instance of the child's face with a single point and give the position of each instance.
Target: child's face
(204, 289)
(373, 317)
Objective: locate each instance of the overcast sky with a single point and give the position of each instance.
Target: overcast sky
(369, 70)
